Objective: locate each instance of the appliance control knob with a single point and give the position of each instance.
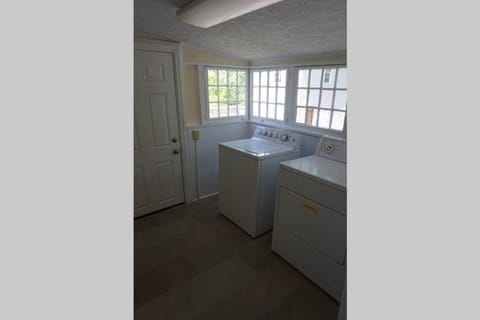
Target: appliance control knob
(330, 148)
(265, 132)
(270, 134)
(284, 137)
(275, 135)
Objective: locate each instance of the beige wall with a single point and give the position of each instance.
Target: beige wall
(191, 98)
(337, 58)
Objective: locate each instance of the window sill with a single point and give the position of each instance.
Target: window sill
(314, 132)
(268, 122)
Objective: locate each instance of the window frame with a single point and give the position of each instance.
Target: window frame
(204, 96)
(290, 98)
(293, 100)
(286, 101)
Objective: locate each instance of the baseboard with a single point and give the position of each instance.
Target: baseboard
(205, 196)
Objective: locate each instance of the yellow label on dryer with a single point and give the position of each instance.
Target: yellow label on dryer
(311, 209)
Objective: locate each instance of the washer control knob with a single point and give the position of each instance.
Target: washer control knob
(270, 134)
(330, 148)
(284, 137)
(265, 132)
(275, 135)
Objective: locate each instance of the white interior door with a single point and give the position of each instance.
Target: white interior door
(157, 163)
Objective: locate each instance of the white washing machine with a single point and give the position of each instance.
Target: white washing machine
(248, 171)
(310, 215)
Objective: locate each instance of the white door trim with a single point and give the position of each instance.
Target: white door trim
(187, 190)
(176, 49)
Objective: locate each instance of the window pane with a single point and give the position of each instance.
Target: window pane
(223, 110)
(300, 115)
(213, 110)
(255, 109)
(302, 97)
(264, 78)
(281, 95)
(232, 77)
(241, 94)
(241, 77)
(256, 78)
(315, 117)
(340, 100)
(303, 78)
(280, 111)
(222, 77)
(242, 108)
(232, 94)
(315, 78)
(337, 120)
(324, 119)
(342, 78)
(212, 77)
(223, 93)
(327, 97)
(282, 78)
(272, 78)
(256, 93)
(271, 94)
(263, 110)
(263, 94)
(313, 97)
(212, 94)
(328, 78)
(271, 111)
(312, 115)
(232, 109)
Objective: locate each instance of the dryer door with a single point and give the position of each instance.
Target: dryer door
(321, 227)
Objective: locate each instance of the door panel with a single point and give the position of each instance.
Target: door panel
(166, 180)
(158, 167)
(159, 117)
(153, 71)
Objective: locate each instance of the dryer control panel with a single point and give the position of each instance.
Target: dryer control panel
(283, 137)
(332, 148)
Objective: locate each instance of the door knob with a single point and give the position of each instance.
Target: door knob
(176, 151)
(174, 140)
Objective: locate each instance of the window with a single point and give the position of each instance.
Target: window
(322, 97)
(226, 92)
(268, 94)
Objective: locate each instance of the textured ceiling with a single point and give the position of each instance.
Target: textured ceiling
(287, 28)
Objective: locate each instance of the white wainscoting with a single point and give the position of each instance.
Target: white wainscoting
(206, 159)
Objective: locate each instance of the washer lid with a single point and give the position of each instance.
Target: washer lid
(325, 170)
(257, 147)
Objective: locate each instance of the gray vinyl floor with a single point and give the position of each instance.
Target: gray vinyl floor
(193, 263)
